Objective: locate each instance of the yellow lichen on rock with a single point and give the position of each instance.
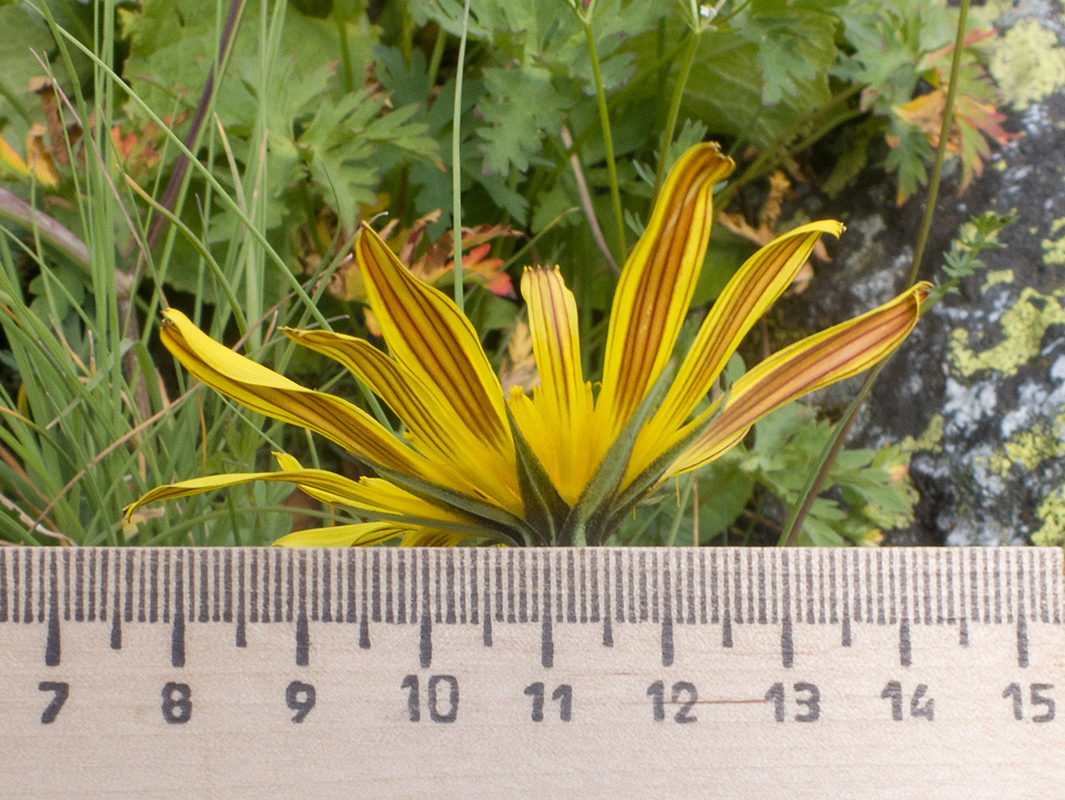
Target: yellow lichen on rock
(1031, 448)
(1052, 512)
(1054, 249)
(1023, 327)
(1027, 63)
(996, 276)
(931, 440)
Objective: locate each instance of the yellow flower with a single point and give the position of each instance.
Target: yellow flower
(564, 465)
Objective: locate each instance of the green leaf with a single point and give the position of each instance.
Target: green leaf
(796, 44)
(725, 91)
(724, 490)
(17, 66)
(908, 158)
(520, 107)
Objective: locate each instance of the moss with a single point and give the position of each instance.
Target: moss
(1027, 63)
(1023, 327)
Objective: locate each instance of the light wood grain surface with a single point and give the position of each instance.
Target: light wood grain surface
(725, 673)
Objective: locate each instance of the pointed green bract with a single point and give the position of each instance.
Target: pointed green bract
(606, 482)
(545, 510)
(661, 467)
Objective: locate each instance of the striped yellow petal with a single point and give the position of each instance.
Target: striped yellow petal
(436, 428)
(813, 363)
(564, 398)
(427, 333)
(761, 280)
(193, 486)
(359, 534)
(427, 537)
(273, 395)
(372, 496)
(656, 284)
(366, 494)
(751, 291)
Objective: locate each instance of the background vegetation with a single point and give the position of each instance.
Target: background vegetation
(216, 155)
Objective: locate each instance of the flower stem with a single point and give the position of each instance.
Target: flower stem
(674, 110)
(608, 141)
(346, 70)
(456, 161)
(941, 147)
(682, 503)
(790, 536)
(437, 55)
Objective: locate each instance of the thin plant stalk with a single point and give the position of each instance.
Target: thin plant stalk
(456, 161)
(14, 209)
(608, 141)
(699, 20)
(682, 503)
(260, 238)
(437, 55)
(674, 109)
(347, 69)
(181, 166)
(790, 536)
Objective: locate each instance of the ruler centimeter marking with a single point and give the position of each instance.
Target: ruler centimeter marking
(426, 588)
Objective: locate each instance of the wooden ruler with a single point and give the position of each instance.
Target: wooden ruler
(387, 672)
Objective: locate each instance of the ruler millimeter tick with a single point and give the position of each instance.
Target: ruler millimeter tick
(493, 672)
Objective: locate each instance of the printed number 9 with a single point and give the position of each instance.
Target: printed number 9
(300, 697)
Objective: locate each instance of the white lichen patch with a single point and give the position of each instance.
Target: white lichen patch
(1037, 401)
(966, 406)
(1027, 63)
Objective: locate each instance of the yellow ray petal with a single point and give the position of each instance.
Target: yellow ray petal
(427, 537)
(553, 327)
(755, 286)
(429, 335)
(563, 399)
(436, 429)
(813, 363)
(373, 495)
(751, 291)
(369, 495)
(657, 283)
(263, 390)
(359, 534)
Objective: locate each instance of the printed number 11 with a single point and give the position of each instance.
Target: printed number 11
(563, 694)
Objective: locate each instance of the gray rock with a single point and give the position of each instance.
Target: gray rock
(978, 391)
